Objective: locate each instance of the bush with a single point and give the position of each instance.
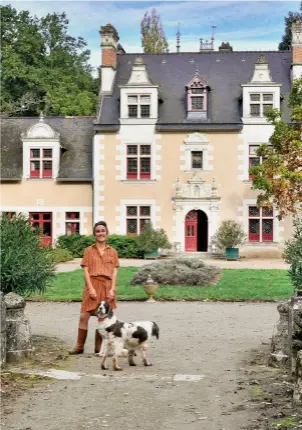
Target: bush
(293, 255)
(61, 255)
(180, 271)
(26, 267)
(150, 239)
(126, 246)
(229, 235)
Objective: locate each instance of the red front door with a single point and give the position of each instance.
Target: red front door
(43, 221)
(191, 231)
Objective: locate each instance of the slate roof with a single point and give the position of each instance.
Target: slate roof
(224, 72)
(76, 135)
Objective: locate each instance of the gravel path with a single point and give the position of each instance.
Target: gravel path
(209, 340)
(252, 263)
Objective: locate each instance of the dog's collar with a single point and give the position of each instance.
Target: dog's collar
(102, 319)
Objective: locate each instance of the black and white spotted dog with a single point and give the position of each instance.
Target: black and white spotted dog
(120, 336)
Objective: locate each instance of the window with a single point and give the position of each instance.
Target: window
(137, 218)
(261, 224)
(40, 163)
(260, 103)
(254, 159)
(197, 159)
(139, 106)
(196, 101)
(139, 162)
(72, 225)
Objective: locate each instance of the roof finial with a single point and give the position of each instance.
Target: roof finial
(197, 70)
(262, 60)
(178, 39)
(41, 117)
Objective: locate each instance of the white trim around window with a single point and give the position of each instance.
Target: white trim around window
(276, 224)
(135, 202)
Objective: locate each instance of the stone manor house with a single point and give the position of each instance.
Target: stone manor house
(172, 143)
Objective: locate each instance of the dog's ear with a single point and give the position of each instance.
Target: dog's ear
(110, 311)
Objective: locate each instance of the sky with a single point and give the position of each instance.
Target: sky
(249, 25)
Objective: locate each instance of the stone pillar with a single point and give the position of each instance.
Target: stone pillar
(18, 332)
(3, 332)
(298, 386)
(279, 346)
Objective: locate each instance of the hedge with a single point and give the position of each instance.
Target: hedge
(126, 246)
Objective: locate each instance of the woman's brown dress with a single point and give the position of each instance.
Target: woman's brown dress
(100, 268)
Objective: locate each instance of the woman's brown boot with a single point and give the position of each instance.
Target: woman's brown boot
(79, 348)
(98, 342)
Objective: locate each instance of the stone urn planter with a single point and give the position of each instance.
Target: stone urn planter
(150, 288)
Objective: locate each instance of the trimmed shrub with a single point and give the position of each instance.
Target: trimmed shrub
(179, 271)
(151, 239)
(293, 255)
(61, 255)
(126, 246)
(26, 267)
(229, 235)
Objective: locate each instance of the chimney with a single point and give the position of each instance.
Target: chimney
(109, 45)
(225, 47)
(296, 50)
(110, 49)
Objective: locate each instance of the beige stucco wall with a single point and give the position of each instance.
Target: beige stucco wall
(225, 156)
(50, 196)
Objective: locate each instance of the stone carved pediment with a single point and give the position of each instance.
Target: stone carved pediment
(196, 138)
(195, 188)
(40, 130)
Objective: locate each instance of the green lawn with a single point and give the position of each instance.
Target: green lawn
(234, 285)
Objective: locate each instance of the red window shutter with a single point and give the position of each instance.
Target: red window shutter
(254, 231)
(267, 230)
(47, 169)
(145, 168)
(35, 169)
(131, 168)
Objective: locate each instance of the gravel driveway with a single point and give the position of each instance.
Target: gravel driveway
(208, 341)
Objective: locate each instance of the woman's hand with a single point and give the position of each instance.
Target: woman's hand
(92, 294)
(111, 294)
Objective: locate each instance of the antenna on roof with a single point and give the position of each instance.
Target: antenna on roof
(178, 39)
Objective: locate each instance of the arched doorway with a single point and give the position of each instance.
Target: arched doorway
(196, 231)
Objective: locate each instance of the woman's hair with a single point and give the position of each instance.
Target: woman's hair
(103, 223)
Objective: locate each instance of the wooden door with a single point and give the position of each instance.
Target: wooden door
(191, 231)
(43, 221)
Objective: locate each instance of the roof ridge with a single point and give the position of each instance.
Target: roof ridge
(203, 53)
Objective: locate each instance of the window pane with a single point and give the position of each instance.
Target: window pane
(254, 161)
(145, 99)
(68, 229)
(255, 110)
(35, 166)
(145, 210)
(145, 149)
(47, 153)
(267, 212)
(197, 103)
(145, 165)
(267, 230)
(72, 228)
(197, 90)
(47, 216)
(47, 228)
(255, 97)
(132, 111)
(35, 153)
(72, 215)
(254, 211)
(131, 226)
(131, 210)
(47, 165)
(132, 165)
(132, 99)
(196, 159)
(254, 230)
(132, 149)
(145, 111)
(35, 216)
(266, 107)
(253, 149)
(267, 97)
(143, 222)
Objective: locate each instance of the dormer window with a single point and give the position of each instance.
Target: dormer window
(197, 99)
(139, 106)
(260, 104)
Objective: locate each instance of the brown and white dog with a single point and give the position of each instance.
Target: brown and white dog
(131, 336)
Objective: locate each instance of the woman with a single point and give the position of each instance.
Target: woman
(100, 263)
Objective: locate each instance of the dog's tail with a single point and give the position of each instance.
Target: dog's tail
(155, 330)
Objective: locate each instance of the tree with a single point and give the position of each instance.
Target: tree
(279, 177)
(44, 68)
(285, 45)
(26, 267)
(153, 37)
